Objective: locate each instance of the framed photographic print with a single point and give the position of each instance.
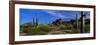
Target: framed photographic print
(37, 22)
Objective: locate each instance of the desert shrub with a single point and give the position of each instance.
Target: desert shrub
(63, 27)
(34, 31)
(87, 28)
(25, 29)
(21, 29)
(76, 31)
(69, 26)
(44, 28)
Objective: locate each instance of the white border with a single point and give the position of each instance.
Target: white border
(42, 37)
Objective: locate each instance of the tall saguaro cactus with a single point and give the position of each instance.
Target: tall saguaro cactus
(82, 22)
(76, 22)
(33, 22)
(36, 22)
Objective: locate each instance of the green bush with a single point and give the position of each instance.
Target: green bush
(21, 29)
(34, 31)
(87, 28)
(63, 27)
(41, 29)
(44, 28)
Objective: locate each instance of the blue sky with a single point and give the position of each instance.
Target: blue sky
(46, 16)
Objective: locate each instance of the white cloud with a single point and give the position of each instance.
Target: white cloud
(55, 14)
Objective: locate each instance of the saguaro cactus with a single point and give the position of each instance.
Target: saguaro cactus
(36, 22)
(82, 22)
(76, 22)
(33, 22)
